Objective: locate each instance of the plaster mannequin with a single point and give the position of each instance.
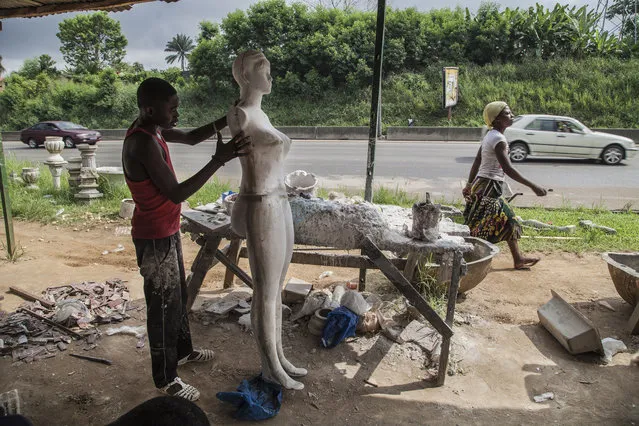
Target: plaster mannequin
(262, 214)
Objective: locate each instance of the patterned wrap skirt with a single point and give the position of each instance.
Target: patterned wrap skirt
(488, 215)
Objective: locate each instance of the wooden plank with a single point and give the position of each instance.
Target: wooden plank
(6, 205)
(233, 255)
(633, 322)
(31, 297)
(53, 323)
(402, 284)
(334, 260)
(233, 267)
(453, 288)
(204, 261)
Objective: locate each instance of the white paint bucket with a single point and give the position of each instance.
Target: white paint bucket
(126, 208)
(299, 182)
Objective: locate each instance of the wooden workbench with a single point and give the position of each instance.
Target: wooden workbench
(209, 229)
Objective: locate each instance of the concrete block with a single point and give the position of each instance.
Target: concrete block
(573, 330)
(296, 290)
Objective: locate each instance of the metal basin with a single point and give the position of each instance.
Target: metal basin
(478, 263)
(624, 271)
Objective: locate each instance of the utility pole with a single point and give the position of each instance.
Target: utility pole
(375, 99)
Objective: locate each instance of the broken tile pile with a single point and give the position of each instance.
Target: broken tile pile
(28, 339)
(105, 302)
(83, 305)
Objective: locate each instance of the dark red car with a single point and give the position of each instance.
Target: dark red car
(71, 133)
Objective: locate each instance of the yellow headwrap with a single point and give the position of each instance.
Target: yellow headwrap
(492, 110)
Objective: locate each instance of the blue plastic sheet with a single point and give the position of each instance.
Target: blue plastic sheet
(255, 399)
(340, 324)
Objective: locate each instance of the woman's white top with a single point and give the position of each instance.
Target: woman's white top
(490, 167)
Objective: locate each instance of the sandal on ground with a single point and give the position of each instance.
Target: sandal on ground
(180, 389)
(525, 266)
(201, 355)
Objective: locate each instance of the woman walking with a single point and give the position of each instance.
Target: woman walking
(487, 214)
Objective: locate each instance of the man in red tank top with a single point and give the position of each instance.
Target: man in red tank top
(156, 224)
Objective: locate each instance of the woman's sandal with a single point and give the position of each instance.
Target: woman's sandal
(180, 389)
(201, 355)
(525, 266)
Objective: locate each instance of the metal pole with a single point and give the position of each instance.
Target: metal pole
(605, 10)
(376, 114)
(6, 204)
(377, 88)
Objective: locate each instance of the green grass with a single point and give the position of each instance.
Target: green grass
(428, 284)
(626, 224)
(210, 192)
(44, 205)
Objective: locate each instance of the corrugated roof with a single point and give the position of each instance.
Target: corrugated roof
(34, 8)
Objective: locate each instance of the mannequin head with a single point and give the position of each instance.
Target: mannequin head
(252, 71)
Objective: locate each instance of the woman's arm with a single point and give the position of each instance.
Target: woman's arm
(511, 172)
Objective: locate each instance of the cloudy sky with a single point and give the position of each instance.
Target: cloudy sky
(149, 26)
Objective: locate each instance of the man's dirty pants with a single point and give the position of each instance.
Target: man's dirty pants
(162, 268)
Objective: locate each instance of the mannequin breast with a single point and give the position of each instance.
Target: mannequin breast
(263, 168)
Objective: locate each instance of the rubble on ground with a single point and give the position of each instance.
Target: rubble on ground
(73, 312)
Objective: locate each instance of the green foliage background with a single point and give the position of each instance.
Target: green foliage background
(539, 60)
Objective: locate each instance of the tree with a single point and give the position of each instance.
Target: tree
(626, 12)
(91, 42)
(31, 68)
(343, 4)
(208, 31)
(2, 70)
(181, 45)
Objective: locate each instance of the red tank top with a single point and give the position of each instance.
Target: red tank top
(155, 215)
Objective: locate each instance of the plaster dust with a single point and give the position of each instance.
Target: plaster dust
(507, 357)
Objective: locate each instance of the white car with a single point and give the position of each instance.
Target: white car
(556, 136)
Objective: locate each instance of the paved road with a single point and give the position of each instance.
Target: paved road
(414, 166)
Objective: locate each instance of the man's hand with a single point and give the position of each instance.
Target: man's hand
(239, 146)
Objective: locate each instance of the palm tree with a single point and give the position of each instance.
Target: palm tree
(179, 46)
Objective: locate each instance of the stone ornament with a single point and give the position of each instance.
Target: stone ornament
(262, 214)
(88, 187)
(55, 146)
(30, 176)
(73, 167)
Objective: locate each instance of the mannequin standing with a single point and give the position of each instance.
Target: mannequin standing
(262, 214)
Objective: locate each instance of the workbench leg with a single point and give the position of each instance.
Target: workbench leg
(204, 261)
(246, 279)
(450, 316)
(411, 264)
(362, 277)
(233, 255)
(401, 283)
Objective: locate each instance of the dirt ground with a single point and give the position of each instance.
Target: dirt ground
(505, 356)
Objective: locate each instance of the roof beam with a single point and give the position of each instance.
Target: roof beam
(78, 6)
